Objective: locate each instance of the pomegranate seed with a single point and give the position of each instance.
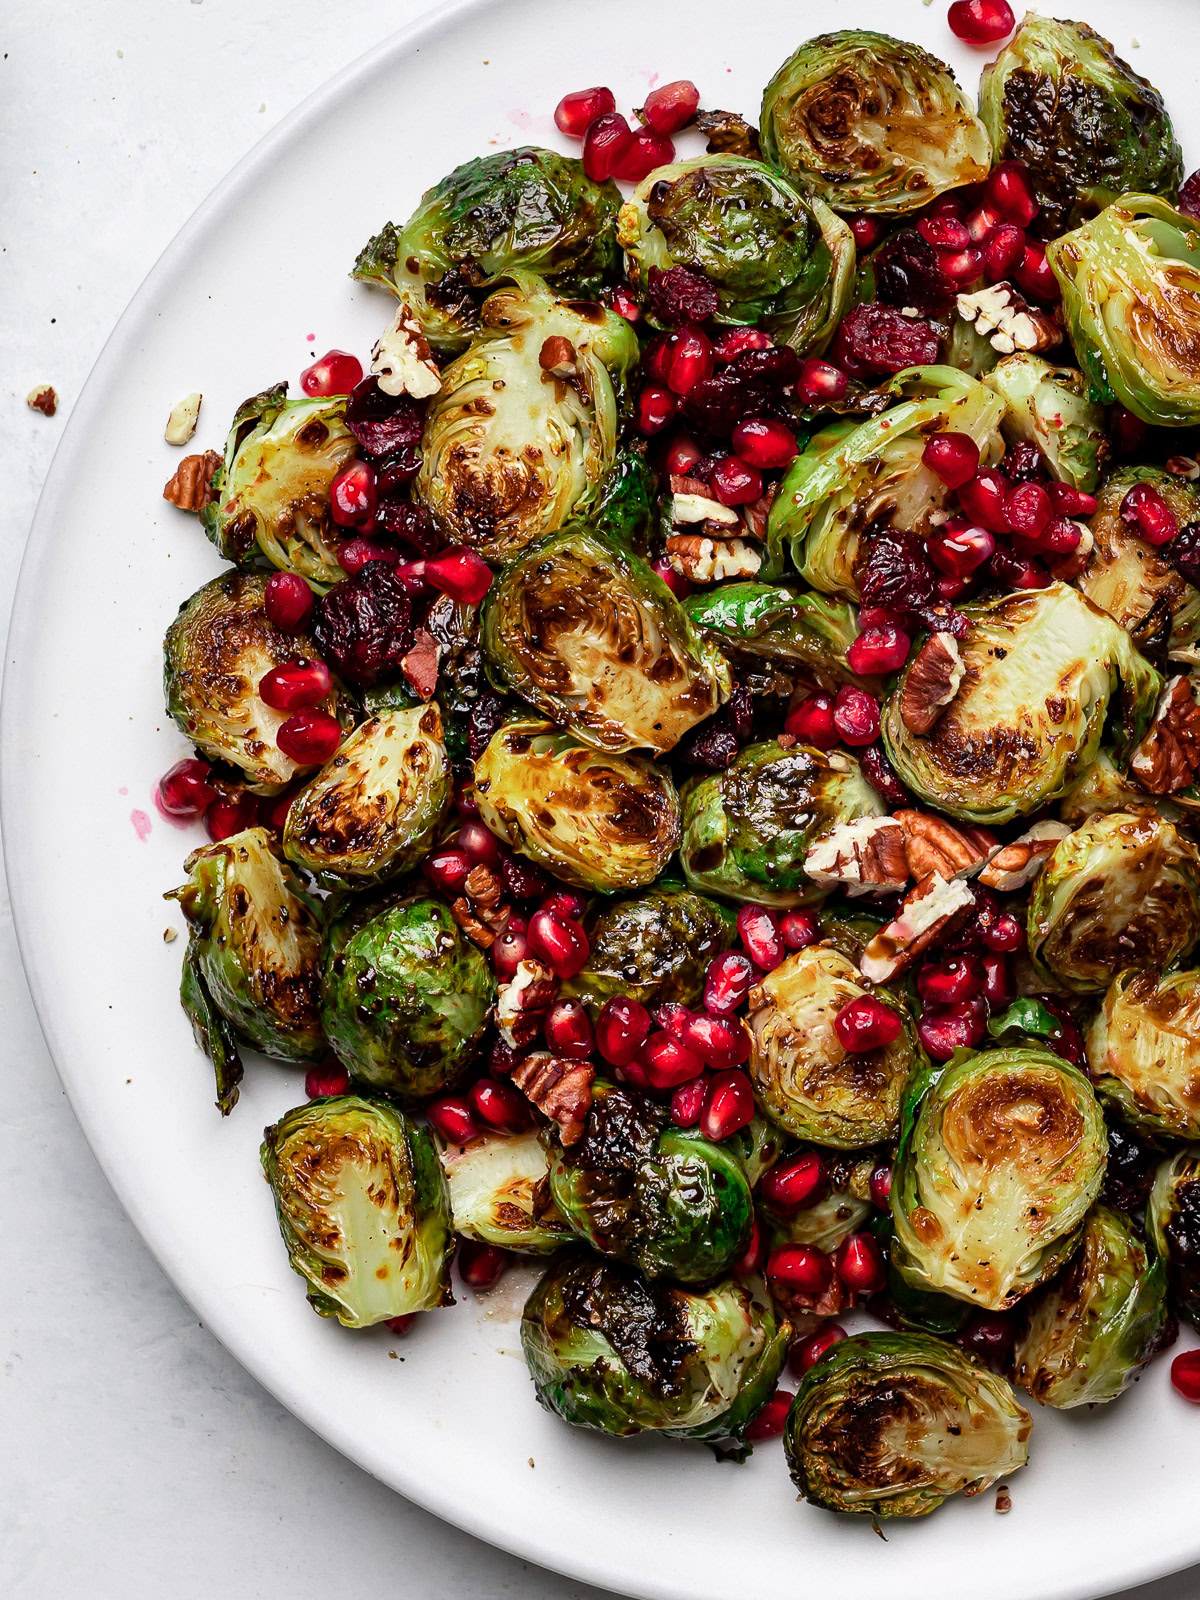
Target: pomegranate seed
(1185, 1375)
(352, 495)
(671, 106)
(401, 1325)
(981, 21)
(961, 266)
(656, 408)
(801, 1268)
(230, 814)
(1017, 572)
(727, 983)
(736, 341)
(667, 1063)
(460, 573)
(946, 205)
(763, 443)
(761, 939)
(1128, 432)
(1006, 934)
(945, 1029)
(682, 455)
(989, 1335)
(480, 844)
(288, 602)
(881, 1187)
(799, 929)
(944, 232)
(451, 1117)
(510, 949)
(1023, 463)
(1060, 536)
(982, 498)
(576, 112)
(865, 1023)
(675, 581)
(184, 790)
(981, 224)
(605, 140)
(719, 1043)
(950, 588)
(1034, 274)
(953, 457)
(688, 1102)
(337, 372)
(309, 737)
(1009, 190)
(859, 1264)
(796, 1183)
(856, 715)
(811, 721)
(465, 802)
(447, 869)
(751, 1259)
(735, 483)
(481, 1265)
(499, 1105)
(1027, 509)
(867, 230)
(945, 983)
(959, 554)
(568, 1030)
(1071, 502)
(1144, 509)
(565, 903)
(355, 554)
(621, 1030)
(691, 360)
(624, 304)
(999, 990)
(807, 1352)
(879, 650)
(295, 684)
(820, 383)
(559, 941)
(673, 1018)
(328, 1078)
(770, 1419)
(728, 1106)
(412, 575)
(657, 357)
(1002, 250)
(646, 151)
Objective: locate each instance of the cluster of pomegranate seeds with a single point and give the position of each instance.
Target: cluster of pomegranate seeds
(1145, 510)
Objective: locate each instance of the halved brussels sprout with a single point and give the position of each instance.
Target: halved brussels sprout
(1173, 1223)
(854, 477)
(654, 948)
(775, 257)
(599, 644)
(254, 948)
(1042, 668)
(1122, 890)
(607, 1350)
(1135, 582)
(373, 810)
(524, 431)
(871, 123)
(214, 655)
(500, 1193)
(362, 1208)
(1087, 1335)
(1059, 98)
(803, 1078)
(1102, 787)
(892, 1424)
(797, 629)
(595, 820)
(406, 994)
(1001, 1156)
(1051, 407)
(1143, 1049)
(1130, 281)
(841, 1211)
(747, 830)
(525, 210)
(637, 1187)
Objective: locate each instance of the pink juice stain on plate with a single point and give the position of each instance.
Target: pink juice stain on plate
(142, 825)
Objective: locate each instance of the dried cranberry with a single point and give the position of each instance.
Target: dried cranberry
(679, 295)
(411, 525)
(909, 273)
(895, 571)
(856, 715)
(714, 745)
(1189, 196)
(1130, 1171)
(989, 1335)
(1184, 552)
(751, 385)
(363, 626)
(876, 338)
(382, 422)
(877, 770)
(522, 879)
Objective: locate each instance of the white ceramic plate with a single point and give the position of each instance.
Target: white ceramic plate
(1110, 1497)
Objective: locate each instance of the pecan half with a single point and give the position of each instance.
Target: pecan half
(560, 1089)
(420, 665)
(861, 857)
(191, 487)
(1168, 758)
(955, 850)
(523, 1001)
(704, 560)
(931, 908)
(1019, 863)
(1005, 318)
(931, 682)
(479, 912)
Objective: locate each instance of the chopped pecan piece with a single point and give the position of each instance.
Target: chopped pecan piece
(704, 560)
(931, 682)
(191, 487)
(479, 912)
(402, 359)
(420, 665)
(181, 424)
(474, 925)
(558, 357)
(1168, 758)
(1183, 467)
(931, 844)
(559, 1088)
(484, 886)
(523, 1001)
(692, 503)
(931, 908)
(1006, 319)
(861, 857)
(1019, 863)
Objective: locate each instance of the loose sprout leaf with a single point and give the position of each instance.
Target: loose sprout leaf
(212, 1032)
(1026, 1015)
(770, 623)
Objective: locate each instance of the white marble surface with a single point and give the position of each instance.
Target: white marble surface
(138, 1459)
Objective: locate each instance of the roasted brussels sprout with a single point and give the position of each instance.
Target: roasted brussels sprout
(362, 1208)
(806, 631)
(892, 1424)
(1101, 787)
(524, 431)
(406, 994)
(1050, 407)
(1143, 1049)
(1130, 282)
(600, 645)
(628, 500)
(662, 1198)
(1090, 129)
(500, 1193)
(607, 1350)
(747, 830)
(758, 1146)
(595, 820)
(271, 492)
(373, 810)
(254, 948)
(1040, 672)
(524, 210)
(1001, 1155)
(853, 477)
(215, 652)
(1086, 1335)
(803, 1079)
(1122, 890)
(1133, 581)
(871, 123)
(1173, 1223)
(842, 1210)
(654, 948)
(774, 257)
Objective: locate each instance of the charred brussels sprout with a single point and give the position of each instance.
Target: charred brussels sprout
(1059, 98)
(767, 623)
(654, 948)
(1050, 407)
(374, 808)
(1173, 1223)
(406, 994)
(1041, 670)
(362, 1208)
(1087, 1335)
(607, 1350)
(1143, 1050)
(595, 820)
(1001, 1156)
(870, 123)
(853, 477)
(773, 256)
(747, 830)
(600, 645)
(525, 210)
(524, 430)
(641, 1189)
(1122, 890)
(215, 653)
(1133, 581)
(892, 1424)
(1130, 281)
(803, 1079)
(500, 1193)
(272, 489)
